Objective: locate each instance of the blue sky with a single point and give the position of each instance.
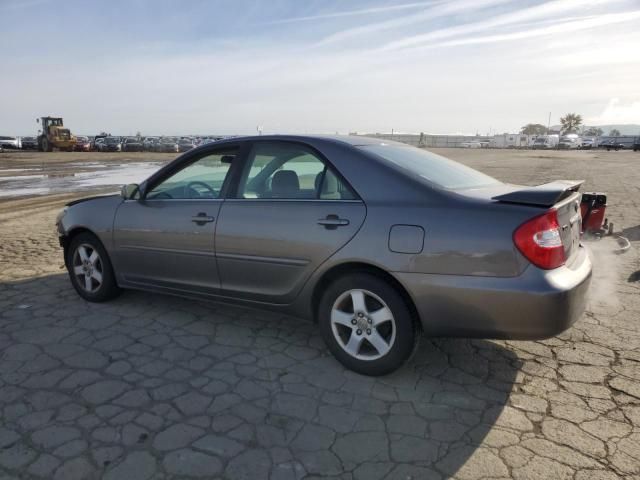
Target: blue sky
(192, 66)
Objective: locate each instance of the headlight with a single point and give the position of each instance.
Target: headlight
(59, 219)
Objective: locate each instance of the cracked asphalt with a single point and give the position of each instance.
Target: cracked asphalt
(156, 387)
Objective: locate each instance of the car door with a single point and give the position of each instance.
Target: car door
(290, 212)
(166, 238)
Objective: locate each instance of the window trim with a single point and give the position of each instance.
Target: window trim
(232, 194)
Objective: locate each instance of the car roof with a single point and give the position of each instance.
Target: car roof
(353, 140)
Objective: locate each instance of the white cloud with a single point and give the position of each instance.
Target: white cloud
(436, 11)
(550, 10)
(617, 112)
(350, 13)
(561, 28)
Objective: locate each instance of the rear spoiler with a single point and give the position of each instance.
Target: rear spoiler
(545, 195)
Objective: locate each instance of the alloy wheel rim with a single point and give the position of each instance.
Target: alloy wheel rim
(88, 268)
(363, 324)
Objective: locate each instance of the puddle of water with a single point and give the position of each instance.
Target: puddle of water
(87, 165)
(20, 170)
(13, 178)
(42, 184)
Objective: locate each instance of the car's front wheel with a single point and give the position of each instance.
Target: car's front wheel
(90, 269)
(367, 324)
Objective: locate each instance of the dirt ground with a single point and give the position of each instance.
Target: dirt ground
(159, 387)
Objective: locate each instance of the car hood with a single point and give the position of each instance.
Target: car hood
(87, 199)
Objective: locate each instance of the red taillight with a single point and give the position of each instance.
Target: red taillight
(539, 241)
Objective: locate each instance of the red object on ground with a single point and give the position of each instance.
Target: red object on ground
(592, 208)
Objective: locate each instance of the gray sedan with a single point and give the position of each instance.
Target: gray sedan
(377, 242)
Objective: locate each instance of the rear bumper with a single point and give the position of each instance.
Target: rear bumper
(537, 304)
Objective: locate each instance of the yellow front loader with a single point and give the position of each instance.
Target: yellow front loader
(54, 135)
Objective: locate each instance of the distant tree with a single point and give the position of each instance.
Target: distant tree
(593, 132)
(138, 134)
(571, 122)
(614, 133)
(533, 129)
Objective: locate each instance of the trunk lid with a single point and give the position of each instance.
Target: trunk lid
(560, 195)
(546, 195)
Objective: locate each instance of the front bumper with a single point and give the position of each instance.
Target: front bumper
(538, 304)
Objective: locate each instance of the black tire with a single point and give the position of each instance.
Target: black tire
(406, 333)
(107, 289)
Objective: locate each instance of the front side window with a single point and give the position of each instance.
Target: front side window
(277, 170)
(200, 180)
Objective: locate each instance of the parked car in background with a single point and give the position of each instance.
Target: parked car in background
(570, 141)
(208, 140)
(611, 145)
(29, 143)
(83, 144)
(97, 139)
(185, 144)
(369, 238)
(9, 142)
(587, 144)
(149, 143)
(111, 144)
(168, 145)
(132, 144)
(636, 144)
(545, 142)
(471, 144)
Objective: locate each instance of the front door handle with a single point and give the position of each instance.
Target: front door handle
(331, 222)
(202, 218)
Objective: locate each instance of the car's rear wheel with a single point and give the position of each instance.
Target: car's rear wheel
(366, 324)
(90, 269)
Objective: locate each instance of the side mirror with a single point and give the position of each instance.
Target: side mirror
(129, 191)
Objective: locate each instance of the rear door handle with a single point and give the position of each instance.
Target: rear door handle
(331, 222)
(202, 218)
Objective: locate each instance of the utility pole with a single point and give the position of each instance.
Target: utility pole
(549, 124)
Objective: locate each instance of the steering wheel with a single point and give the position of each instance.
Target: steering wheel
(190, 185)
(160, 196)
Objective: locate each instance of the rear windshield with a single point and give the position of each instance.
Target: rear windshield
(436, 169)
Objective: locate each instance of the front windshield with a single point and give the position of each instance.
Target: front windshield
(112, 140)
(436, 169)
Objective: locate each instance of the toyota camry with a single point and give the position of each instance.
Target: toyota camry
(377, 242)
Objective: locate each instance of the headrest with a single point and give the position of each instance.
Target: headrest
(285, 183)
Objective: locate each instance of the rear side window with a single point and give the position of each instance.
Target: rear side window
(278, 170)
(435, 169)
